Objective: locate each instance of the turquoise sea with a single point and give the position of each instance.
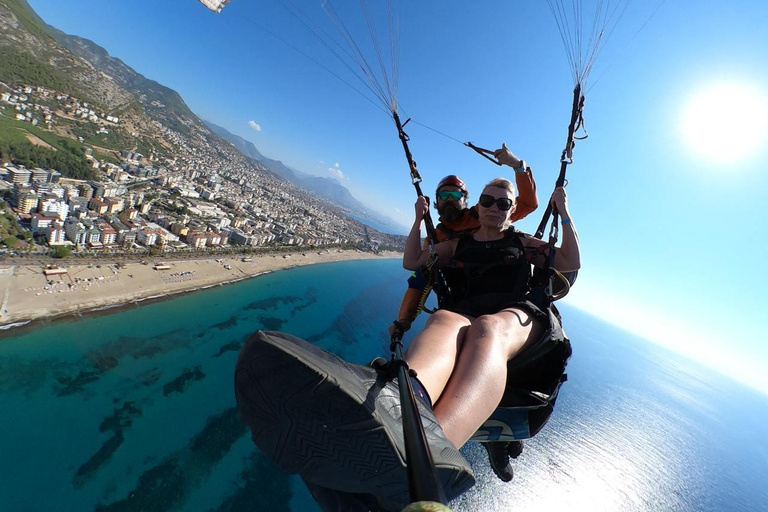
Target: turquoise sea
(134, 409)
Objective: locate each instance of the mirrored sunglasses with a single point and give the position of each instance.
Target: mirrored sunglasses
(445, 195)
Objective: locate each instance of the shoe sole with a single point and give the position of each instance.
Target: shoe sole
(316, 415)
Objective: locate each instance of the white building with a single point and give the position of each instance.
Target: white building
(222, 222)
(146, 236)
(78, 203)
(55, 207)
(75, 231)
(17, 175)
(186, 192)
(94, 236)
(39, 174)
(27, 202)
(41, 222)
(56, 234)
(108, 234)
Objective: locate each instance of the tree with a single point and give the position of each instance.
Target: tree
(61, 251)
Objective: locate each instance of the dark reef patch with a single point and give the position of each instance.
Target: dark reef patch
(225, 324)
(160, 488)
(101, 363)
(260, 474)
(233, 346)
(150, 376)
(16, 373)
(178, 384)
(311, 298)
(76, 384)
(107, 357)
(272, 302)
(270, 323)
(359, 319)
(217, 437)
(139, 348)
(167, 485)
(120, 420)
(93, 464)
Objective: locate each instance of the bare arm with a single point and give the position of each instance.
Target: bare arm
(567, 256)
(414, 256)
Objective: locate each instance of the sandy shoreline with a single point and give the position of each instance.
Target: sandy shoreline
(26, 294)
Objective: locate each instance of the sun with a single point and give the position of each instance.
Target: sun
(726, 122)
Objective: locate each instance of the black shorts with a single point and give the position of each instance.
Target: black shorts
(490, 303)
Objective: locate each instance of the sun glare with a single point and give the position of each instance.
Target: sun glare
(727, 122)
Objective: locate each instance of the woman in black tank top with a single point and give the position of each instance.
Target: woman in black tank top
(461, 355)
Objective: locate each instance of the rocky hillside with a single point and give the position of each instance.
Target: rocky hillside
(31, 55)
(154, 120)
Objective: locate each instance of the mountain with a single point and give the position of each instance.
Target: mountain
(159, 102)
(30, 54)
(327, 188)
(247, 148)
(154, 119)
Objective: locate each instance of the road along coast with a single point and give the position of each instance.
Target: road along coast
(27, 293)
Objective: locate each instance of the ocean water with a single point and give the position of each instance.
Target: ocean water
(134, 410)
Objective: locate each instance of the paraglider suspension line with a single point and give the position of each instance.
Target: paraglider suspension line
(566, 158)
(423, 483)
(441, 286)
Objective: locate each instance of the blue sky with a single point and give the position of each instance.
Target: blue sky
(668, 204)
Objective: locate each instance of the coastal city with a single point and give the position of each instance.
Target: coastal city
(102, 209)
(192, 194)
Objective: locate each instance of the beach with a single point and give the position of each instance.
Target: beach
(27, 293)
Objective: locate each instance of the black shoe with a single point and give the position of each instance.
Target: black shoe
(336, 424)
(515, 448)
(499, 459)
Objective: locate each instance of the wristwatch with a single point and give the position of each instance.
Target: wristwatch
(521, 168)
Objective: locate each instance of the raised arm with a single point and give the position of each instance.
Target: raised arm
(567, 256)
(414, 256)
(526, 201)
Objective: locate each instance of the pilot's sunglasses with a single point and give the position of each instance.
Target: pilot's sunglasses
(502, 203)
(445, 195)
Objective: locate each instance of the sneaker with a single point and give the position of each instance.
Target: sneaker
(515, 448)
(388, 370)
(499, 459)
(336, 424)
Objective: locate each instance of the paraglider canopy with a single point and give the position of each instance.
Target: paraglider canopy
(214, 5)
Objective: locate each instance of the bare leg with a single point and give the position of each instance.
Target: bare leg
(476, 385)
(433, 352)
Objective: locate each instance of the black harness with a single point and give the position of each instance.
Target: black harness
(496, 269)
